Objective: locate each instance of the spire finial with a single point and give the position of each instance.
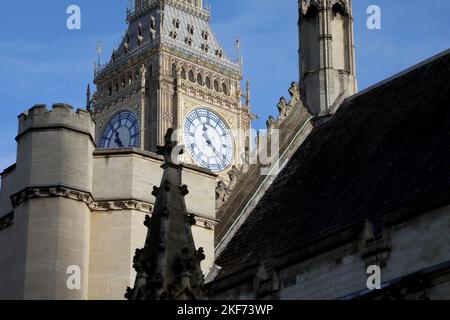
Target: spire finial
(168, 267)
(99, 51)
(88, 98)
(238, 48)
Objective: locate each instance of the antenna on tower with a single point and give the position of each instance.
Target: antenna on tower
(99, 51)
(238, 48)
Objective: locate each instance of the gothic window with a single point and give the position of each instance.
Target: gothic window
(338, 9)
(176, 23)
(137, 75)
(117, 87)
(183, 73)
(200, 79)
(123, 83)
(205, 35)
(173, 34)
(219, 53)
(174, 70)
(130, 80)
(110, 91)
(191, 29)
(205, 47)
(188, 41)
(224, 89)
(208, 82)
(191, 76)
(216, 85)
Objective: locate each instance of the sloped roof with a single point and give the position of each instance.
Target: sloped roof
(384, 154)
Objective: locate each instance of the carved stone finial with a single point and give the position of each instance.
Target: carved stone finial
(170, 151)
(168, 267)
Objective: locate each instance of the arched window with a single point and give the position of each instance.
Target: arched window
(208, 82)
(183, 73)
(311, 12)
(191, 76)
(174, 70)
(130, 80)
(200, 79)
(224, 89)
(216, 85)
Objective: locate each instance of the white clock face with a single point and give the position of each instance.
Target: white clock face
(121, 132)
(208, 140)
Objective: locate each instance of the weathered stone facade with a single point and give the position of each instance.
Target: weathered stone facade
(65, 203)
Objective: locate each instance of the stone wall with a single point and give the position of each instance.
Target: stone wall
(417, 246)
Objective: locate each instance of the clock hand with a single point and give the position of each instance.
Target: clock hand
(208, 141)
(118, 141)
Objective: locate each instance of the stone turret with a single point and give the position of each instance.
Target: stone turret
(168, 267)
(53, 183)
(327, 53)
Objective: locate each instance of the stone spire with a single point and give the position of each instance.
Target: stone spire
(168, 267)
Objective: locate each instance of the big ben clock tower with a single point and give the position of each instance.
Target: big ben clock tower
(170, 72)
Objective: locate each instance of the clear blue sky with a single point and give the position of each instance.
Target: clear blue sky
(43, 62)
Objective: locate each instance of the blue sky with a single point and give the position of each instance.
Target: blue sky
(41, 61)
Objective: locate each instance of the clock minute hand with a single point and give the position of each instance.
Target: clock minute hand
(118, 141)
(209, 142)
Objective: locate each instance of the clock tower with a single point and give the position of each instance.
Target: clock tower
(169, 71)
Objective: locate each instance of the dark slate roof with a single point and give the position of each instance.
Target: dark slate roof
(383, 155)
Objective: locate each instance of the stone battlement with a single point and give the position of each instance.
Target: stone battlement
(60, 116)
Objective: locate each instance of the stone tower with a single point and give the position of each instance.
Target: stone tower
(170, 72)
(327, 52)
(53, 179)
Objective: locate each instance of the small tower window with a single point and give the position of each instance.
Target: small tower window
(110, 91)
(200, 79)
(216, 85)
(191, 29)
(188, 41)
(205, 47)
(117, 87)
(205, 35)
(183, 73)
(191, 76)
(219, 53)
(173, 34)
(130, 80)
(174, 70)
(224, 89)
(137, 75)
(208, 82)
(176, 23)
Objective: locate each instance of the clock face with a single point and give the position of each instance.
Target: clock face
(208, 140)
(121, 132)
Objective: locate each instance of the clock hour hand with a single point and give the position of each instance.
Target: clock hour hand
(118, 141)
(208, 141)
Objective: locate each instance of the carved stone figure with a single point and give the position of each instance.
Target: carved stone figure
(221, 194)
(283, 109)
(295, 93)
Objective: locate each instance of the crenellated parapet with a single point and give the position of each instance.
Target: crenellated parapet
(61, 116)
